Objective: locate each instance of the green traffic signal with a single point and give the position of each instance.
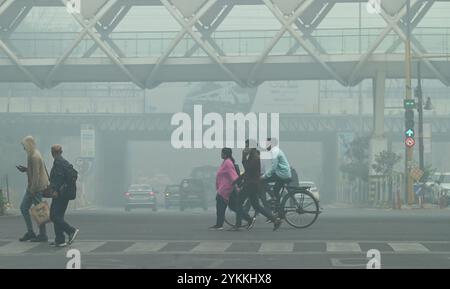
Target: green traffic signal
(409, 103)
(410, 133)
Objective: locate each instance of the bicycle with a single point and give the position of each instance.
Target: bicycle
(296, 205)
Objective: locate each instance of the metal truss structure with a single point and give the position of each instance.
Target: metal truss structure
(293, 127)
(199, 20)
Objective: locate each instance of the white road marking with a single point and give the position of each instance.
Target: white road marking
(343, 247)
(150, 246)
(276, 247)
(408, 247)
(86, 246)
(17, 247)
(211, 247)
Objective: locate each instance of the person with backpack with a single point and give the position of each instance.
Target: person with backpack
(63, 184)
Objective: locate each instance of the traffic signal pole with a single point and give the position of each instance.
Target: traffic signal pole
(409, 150)
(420, 110)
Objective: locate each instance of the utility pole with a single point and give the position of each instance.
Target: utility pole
(409, 149)
(7, 190)
(420, 110)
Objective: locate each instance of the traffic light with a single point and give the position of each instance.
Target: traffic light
(409, 103)
(409, 119)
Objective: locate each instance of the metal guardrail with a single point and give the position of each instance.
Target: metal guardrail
(233, 43)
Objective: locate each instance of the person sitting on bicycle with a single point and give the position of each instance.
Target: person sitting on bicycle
(280, 171)
(251, 188)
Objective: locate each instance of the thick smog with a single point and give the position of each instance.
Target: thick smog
(216, 135)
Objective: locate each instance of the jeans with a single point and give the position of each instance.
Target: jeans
(239, 209)
(27, 201)
(221, 207)
(57, 211)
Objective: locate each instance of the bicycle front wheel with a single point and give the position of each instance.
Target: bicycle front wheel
(300, 209)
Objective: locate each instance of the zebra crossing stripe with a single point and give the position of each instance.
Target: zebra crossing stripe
(276, 247)
(408, 247)
(343, 247)
(86, 246)
(219, 247)
(212, 247)
(151, 246)
(17, 247)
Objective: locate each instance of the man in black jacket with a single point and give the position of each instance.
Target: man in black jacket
(58, 183)
(251, 188)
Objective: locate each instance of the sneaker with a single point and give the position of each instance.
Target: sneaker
(72, 236)
(40, 239)
(251, 224)
(277, 224)
(28, 236)
(59, 245)
(268, 221)
(216, 228)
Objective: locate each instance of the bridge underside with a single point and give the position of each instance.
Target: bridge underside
(180, 69)
(307, 55)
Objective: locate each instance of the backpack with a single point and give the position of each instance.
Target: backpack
(238, 171)
(70, 182)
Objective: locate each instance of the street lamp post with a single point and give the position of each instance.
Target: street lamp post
(409, 149)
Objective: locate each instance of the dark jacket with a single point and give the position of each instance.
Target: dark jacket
(58, 173)
(252, 166)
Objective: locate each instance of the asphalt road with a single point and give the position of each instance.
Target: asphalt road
(341, 238)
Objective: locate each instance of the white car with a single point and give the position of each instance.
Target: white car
(313, 188)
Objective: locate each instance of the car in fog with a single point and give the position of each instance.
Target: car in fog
(443, 188)
(140, 196)
(208, 176)
(313, 188)
(172, 196)
(193, 194)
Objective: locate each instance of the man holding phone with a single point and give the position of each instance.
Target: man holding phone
(38, 182)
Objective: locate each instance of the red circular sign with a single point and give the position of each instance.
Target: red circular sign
(410, 142)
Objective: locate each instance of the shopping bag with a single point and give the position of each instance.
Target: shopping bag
(40, 213)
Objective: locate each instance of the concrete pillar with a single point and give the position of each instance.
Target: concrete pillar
(330, 168)
(378, 142)
(111, 173)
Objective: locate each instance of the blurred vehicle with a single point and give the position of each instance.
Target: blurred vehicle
(313, 188)
(207, 174)
(140, 196)
(192, 194)
(172, 196)
(443, 187)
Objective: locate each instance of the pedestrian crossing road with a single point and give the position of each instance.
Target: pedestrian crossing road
(92, 247)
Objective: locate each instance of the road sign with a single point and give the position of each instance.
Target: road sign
(416, 174)
(410, 142)
(410, 132)
(409, 103)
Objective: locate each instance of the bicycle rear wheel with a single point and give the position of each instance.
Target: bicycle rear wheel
(230, 216)
(300, 209)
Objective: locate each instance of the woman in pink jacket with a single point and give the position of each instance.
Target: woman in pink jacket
(226, 175)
